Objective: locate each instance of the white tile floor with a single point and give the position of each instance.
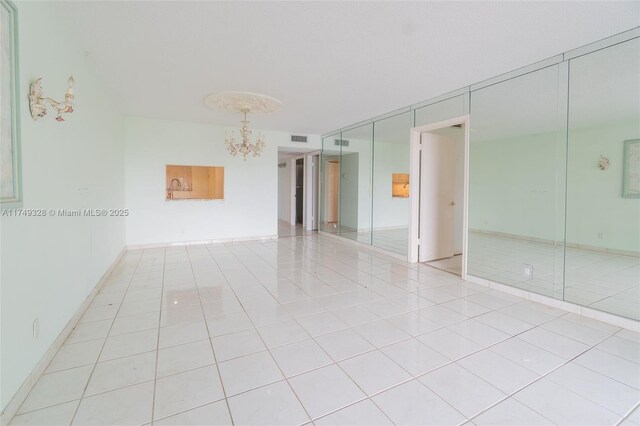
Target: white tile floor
(395, 240)
(285, 229)
(310, 329)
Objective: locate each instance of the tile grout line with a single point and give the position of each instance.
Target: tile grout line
(206, 324)
(155, 373)
(255, 329)
(75, 413)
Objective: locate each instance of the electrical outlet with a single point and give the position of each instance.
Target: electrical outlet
(527, 271)
(36, 328)
(601, 235)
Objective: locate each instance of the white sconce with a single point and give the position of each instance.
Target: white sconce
(37, 101)
(603, 163)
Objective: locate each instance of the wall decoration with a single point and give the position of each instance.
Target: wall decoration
(10, 164)
(631, 173)
(603, 163)
(37, 100)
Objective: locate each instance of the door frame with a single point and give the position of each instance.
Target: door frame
(311, 210)
(414, 188)
(292, 189)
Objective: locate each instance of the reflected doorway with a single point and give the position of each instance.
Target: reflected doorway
(439, 214)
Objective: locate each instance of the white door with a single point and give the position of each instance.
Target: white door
(437, 197)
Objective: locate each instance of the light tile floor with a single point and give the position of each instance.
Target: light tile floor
(287, 230)
(395, 240)
(310, 329)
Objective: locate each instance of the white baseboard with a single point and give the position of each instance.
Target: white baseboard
(23, 391)
(556, 243)
(200, 242)
(585, 311)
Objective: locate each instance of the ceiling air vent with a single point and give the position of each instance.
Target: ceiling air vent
(341, 142)
(298, 138)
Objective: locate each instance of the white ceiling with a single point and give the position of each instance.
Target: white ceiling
(331, 63)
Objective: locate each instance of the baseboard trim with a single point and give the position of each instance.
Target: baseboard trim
(363, 245)
(585, 311)
(23, 391)
(200, 242)
(556, 243)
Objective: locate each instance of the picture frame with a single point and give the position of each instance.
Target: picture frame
(10, 153)
(631, 169)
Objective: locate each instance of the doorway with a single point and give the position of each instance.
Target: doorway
(299, 194)
(439, 204)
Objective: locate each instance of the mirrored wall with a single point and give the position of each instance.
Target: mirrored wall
(365, 186)
(554, 176)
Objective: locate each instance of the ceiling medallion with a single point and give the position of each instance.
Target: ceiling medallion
(244, 103)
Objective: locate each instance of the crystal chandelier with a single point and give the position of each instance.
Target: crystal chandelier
(244, 103)
(246, 147)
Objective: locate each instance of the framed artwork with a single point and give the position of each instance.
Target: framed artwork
(10, 164)
(631, 169)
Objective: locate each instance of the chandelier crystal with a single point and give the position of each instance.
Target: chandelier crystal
(246, 147)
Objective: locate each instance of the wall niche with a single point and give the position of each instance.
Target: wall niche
(194, 182)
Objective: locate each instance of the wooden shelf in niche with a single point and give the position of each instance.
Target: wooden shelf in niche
(400, 185)
(194, 182)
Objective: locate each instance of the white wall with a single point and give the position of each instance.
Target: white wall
(284, 190)
(250, 207)
(49, 265)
